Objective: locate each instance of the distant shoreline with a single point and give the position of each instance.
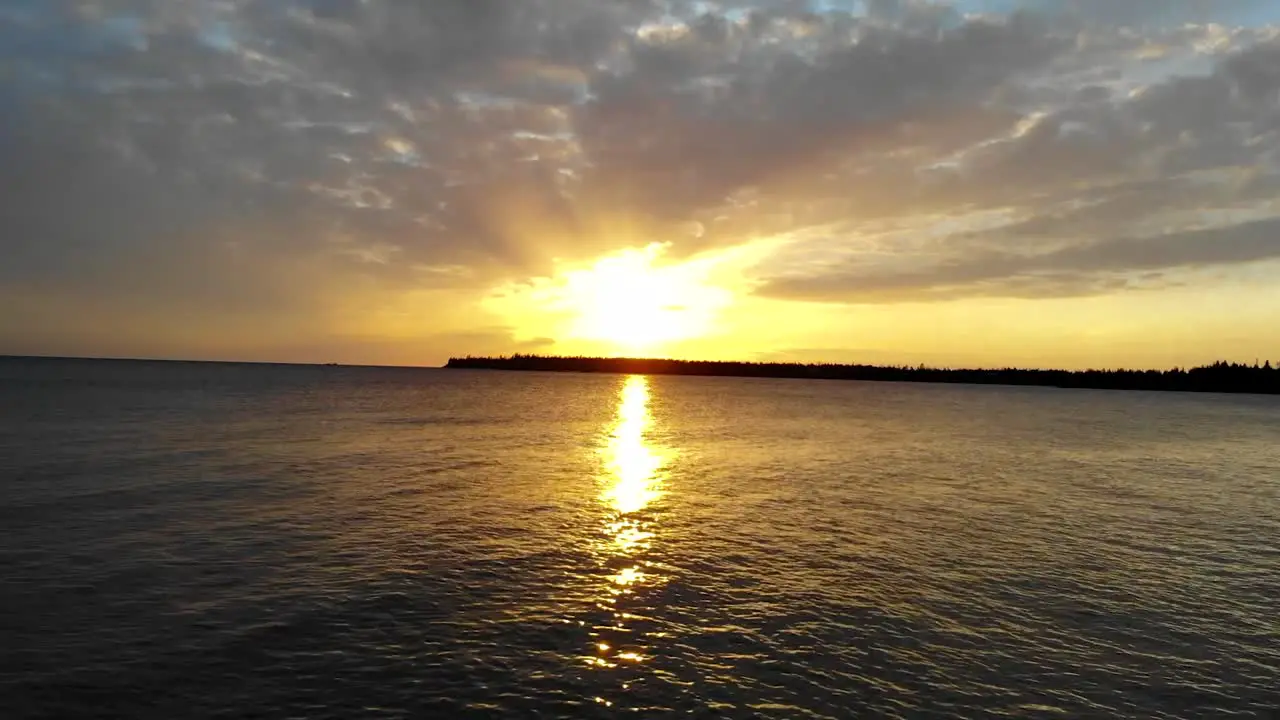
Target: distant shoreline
(1220, 377)
(193, 361)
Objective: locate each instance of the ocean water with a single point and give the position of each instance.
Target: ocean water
(239, 541)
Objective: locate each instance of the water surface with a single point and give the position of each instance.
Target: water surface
(201, 540)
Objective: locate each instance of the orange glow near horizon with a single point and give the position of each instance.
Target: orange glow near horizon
(643, 302)
(626, 302)
(629, 302)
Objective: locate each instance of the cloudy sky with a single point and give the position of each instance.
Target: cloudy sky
(981, 182)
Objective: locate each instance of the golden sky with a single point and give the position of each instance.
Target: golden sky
(982, 182)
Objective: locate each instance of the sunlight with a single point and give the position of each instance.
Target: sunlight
(628, 301)
(632, 484)
(632, 463)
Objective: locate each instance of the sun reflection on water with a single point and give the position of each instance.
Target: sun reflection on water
(633, 465)
(633, 483)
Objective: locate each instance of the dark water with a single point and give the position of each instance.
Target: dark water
(198, 541)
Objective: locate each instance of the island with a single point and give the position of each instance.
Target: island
(1219, 377)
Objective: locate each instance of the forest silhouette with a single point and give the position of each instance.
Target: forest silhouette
(1221, 377)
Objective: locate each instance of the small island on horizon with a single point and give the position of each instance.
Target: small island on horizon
(1219, 377)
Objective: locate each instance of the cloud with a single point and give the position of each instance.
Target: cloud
(686, 137)
(434, 128)
(1181, 174)
(232, 158)
(1085, 268)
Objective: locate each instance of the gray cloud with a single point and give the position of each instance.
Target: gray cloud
(191, 153)
(380, 120)
(676, 149)
(1178, 174)
(1075, 270)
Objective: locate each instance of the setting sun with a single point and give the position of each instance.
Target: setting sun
(627, 302)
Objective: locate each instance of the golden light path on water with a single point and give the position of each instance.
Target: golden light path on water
(632, 482)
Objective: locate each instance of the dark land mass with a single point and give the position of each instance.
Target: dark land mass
(1219, 377)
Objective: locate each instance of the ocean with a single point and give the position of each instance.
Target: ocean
(191, 540)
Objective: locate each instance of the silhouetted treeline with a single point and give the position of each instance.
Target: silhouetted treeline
(1218, 377)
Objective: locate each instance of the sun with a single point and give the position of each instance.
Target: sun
(632, 302)
(629, 302)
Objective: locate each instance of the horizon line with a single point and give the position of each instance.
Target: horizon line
(1258, 362)
(213, 361)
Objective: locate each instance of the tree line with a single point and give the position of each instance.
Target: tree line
(1218, 377)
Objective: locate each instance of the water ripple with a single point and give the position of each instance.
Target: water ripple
(390, 544)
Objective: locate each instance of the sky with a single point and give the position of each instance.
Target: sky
(1066, 183)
